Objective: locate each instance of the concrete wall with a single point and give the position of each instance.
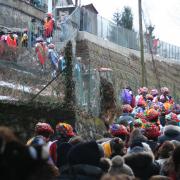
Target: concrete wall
(17, 13)
(125, 64)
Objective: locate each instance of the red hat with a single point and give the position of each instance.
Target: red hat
(116, 129)
(172, 117)
(151, 131)
(65, 129)
(141, 102)
(127, 108)
(49, 15)
(152, 114)
(43, 127)
(140, 115)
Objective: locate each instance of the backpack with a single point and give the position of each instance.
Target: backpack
(126, 97)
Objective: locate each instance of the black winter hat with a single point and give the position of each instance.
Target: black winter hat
(85, 153)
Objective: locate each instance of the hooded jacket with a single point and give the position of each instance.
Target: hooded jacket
(142, 164)
(171, 132)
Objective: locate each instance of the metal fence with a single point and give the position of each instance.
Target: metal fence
(108, 30)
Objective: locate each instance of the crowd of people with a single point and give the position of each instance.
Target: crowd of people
(143, 143)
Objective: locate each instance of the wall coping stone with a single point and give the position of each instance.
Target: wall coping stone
(82, 35)
(24, 7)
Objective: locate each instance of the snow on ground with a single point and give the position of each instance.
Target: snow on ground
(8, 98)
(27, 89)
(21, 71)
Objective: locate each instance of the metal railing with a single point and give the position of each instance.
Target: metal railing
(108, 30)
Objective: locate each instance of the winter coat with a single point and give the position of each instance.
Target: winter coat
(142, 164)
(81, 172)
(171, 132)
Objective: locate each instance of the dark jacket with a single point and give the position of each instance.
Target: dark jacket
(142, 164)
(171, 132)
(81, 172)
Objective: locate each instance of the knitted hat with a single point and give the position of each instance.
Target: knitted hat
(137, 123)
(116, 129)
(85, 153)
(65, 129)
(152, 115)
(140, 115)
(151, 131)
(127, 108)
(43, 127)
(119, 167)
(172, 117)
(141, 102)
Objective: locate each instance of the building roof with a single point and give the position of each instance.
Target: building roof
(91, 8)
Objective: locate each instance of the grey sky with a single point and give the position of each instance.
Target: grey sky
(164, 14)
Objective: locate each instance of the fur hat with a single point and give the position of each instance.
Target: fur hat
(119, 167)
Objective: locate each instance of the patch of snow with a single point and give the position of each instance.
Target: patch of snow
(8, 98)
(27, 89)
(21, 71)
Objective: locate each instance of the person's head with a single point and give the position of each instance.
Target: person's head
(85, 153)
(136, 136)
(64, 130)
(51, 46)
(171, 117)
(152, 132)
(176, 159)
(44, 129)
(127, 108)
(105, 164)
(154, 92)
(117, 147)
(7, 134)
(119, 131)
(164, 91)
(24, 162)
(166, 149)
(39, 40)
(152, 115)
(119, 167)
(149, 97)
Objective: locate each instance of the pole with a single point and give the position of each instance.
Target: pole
(76, 3)
(143, 68)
